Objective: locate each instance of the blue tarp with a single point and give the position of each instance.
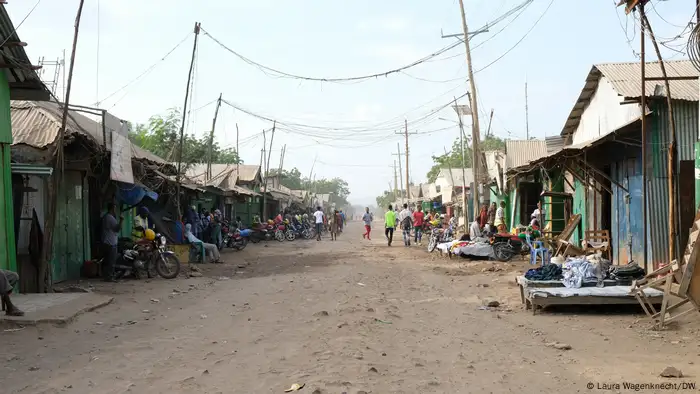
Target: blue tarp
(130, 194)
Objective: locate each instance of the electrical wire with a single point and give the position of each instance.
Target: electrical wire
(145, 72)
(693, 48)
(14, 31)
(283, 74)
(520, 40)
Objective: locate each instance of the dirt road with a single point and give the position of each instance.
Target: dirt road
(349, 316)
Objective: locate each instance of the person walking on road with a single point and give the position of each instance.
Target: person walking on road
(389, 224)
(406, 221)
(418, 219)
(333, 225)
(318, 216)
(367, 219)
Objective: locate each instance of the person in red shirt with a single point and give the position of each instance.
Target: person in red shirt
(418, 217)
(483, 216)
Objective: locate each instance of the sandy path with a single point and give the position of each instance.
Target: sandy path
(346, 316)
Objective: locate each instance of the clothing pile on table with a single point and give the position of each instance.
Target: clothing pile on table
(625, 274)
(578, 270)
(480, 250)
(546, 272)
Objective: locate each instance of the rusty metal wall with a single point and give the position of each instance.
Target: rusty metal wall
(685, 115)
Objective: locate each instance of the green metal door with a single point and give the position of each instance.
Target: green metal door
(72, 237)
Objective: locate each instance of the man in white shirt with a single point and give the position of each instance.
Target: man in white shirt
(474, 230)
(318, 215)
(406, 221)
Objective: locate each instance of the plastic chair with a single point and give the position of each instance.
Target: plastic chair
(537, 248)
(197, 253)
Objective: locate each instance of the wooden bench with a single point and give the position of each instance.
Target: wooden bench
(597, 241)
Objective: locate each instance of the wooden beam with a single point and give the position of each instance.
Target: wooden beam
(602, 174)
(12, 44)
(23, 67)
(683, 78)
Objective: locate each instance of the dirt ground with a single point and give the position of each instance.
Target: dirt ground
(349, 316)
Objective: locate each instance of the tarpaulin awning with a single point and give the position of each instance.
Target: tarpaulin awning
(131, 194)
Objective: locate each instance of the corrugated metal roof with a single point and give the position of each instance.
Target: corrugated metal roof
(626, 80)
(554, 143)
(24, 82)
(626, 77)
(457, 176)
(521, 152)
(37, 123)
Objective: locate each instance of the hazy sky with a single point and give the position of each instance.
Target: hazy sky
(352, 124)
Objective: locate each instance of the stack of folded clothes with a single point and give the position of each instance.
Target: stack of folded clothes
(546, 272)
(625, 274)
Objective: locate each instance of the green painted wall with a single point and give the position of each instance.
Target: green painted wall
(579, 207)
(71, 240)
(556, 209)
(8, 254)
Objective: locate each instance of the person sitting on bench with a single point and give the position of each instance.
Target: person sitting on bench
(8, 280)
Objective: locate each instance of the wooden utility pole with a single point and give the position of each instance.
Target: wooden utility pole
(267, 169)
(284, 149)
(396, 180)
(238, 154)
(182, 126)
(45, 283)
(211, 137)
(408, 182)
(474, 107)
(643, 107)
(465, 206)
(488, 130)
(400, 185)
(671, 160)
(527, 117)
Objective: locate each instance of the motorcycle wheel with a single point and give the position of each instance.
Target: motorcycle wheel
(168, 266)
(307, 234)
(242, 244)
(290, 235)
(432, 244)
(503, 252)
(279, 236)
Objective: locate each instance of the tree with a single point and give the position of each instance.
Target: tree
(293, 179)
(161, 136)
(388, 197)
(453, 158)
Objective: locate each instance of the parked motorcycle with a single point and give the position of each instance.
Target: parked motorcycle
(238, 239)
(506, 246)
(262, 232)
(438, 236)
(137, 258)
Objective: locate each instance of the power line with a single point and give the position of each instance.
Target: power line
(20, 24)
(148, 70)
(283, 74)
(521, 39)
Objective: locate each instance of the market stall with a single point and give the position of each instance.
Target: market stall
(583, 280)
(479, 249)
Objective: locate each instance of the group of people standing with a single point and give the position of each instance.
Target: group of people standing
(491, 219)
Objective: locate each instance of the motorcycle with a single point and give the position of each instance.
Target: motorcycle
(438, 236)
(283, 232)
(238, 239)
(506, 246)
(262, 232)
(143, 256)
